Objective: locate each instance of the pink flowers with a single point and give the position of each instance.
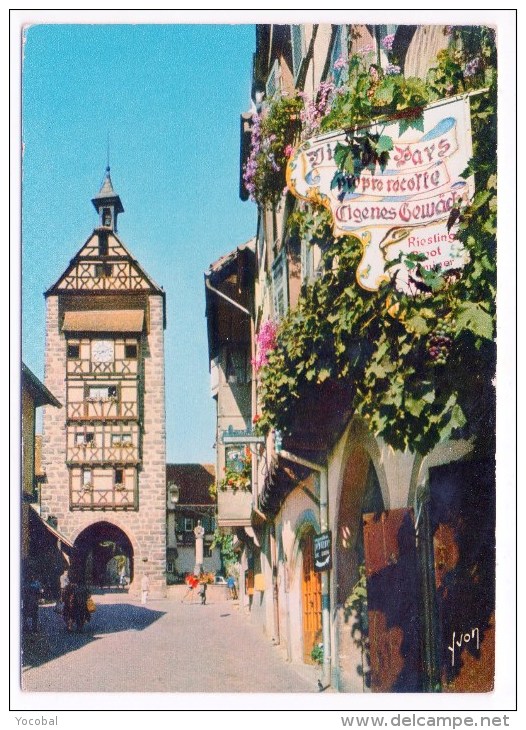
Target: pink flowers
(392, 69)
(387, 42)
(265, 343)
(472, 67)
(289, 150)
(315, 109)
(249, 172)
(366, 49)
(340, 63)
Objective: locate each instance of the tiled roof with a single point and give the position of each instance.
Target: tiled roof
(224, 261)
(109, 320)
(41, 395)
(194, 481)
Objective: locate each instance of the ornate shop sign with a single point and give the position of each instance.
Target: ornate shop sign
(404, 208)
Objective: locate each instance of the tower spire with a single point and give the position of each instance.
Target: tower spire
(107, 203)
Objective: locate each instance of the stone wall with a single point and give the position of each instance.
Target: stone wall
(145, 527)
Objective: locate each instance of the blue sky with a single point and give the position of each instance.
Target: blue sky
(169, 96)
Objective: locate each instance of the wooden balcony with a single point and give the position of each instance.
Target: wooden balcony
(234, 508)
(114, 498)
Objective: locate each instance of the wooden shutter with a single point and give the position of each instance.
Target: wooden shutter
(463, 521)
(393, 601)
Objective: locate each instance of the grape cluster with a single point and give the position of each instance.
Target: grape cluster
(439, 343)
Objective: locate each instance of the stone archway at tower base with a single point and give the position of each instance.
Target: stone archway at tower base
(103, 552)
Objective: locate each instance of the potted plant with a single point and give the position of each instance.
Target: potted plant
(238, 477)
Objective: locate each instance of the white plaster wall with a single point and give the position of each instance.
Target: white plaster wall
(298, 511)
(185, 561)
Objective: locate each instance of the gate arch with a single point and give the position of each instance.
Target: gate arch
(362, 489)
(102, 551)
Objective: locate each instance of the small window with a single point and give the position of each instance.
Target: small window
(188, 524)
(103, 271)
(86, 476)
(73, 352)
(130, 351)
(81, 439)
(339, 54)
(119, 476)
(238, 368)
(298, 48)
(98, 392)
(207, 550)
(272, 86)
(117, 439)
(279, 286)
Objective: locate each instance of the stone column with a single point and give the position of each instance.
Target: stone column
(199, 533)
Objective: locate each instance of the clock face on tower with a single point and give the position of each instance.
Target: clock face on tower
(102, 351)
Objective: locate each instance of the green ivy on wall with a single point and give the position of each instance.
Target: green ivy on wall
(420, 367)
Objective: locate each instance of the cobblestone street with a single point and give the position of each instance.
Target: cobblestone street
(165, 646)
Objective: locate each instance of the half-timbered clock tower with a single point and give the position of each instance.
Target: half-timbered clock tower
(104, 453)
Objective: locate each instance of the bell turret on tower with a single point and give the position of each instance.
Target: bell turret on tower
(108, 204)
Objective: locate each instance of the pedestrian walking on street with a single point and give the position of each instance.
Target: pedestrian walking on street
(145, 587)
(191, 582)
(122, 577)
(75, 611)
(31, 595)
(231, 583)
(63, 581)
(202, 592)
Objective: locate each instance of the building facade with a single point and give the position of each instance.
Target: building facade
(369, 484)
(191, 502)
(104, 454)
(44, 552)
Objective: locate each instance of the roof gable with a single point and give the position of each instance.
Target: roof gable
(194, 482)
(103, 263)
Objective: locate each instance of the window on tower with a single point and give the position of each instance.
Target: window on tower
(83, 439)
(73, 351)
(103, 243)
(106, 217)
(130, 351)
(102, 392)
(103, 271)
